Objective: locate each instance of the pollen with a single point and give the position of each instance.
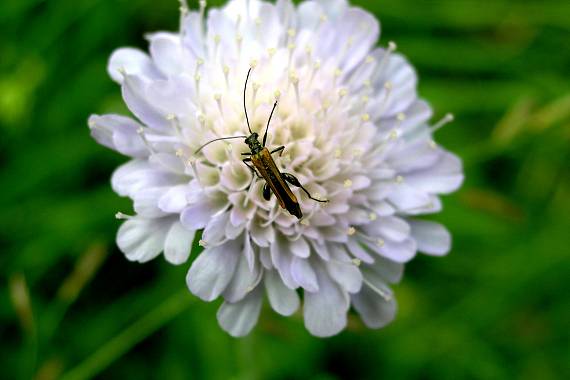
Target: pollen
(351, 231)
(347, 183)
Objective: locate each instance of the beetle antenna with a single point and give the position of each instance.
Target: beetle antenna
(268, 121)
(218, 139)
(244, 107)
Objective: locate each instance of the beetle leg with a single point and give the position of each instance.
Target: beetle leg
(245, 161)
(280, 150)
(266, 192)
(246, 154)
(295, 182)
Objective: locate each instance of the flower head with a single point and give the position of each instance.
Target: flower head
(354, 131)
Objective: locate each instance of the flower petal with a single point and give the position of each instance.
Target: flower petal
(142, 239)
(178, 244)
(130, 61)
(374, 310)
(325, 311)
(212, 271)
(283, 300)
(432, 238)
(239, 318)
(303, 274)
(118, 133)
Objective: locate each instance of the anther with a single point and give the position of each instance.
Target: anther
(432, 144)
(304, 222)
(369, 59)
(365, 117)
(357, 152)
(356, 262)
(372, 216)
(291, 32)
(393, 134)
(323, 18)
(347, 183)
(342, 92)
(271, 51)
(351, 231)
(253, 63)
(202, 243)
(338, 153)
(399, 179)
(401, 116)
(380, 242)
(217, 38)
(119, 215)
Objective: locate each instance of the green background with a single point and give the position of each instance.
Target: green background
(497, 307)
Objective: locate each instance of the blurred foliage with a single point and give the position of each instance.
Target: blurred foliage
(497, 307)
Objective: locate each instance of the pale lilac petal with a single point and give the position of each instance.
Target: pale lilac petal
(283, 300)
(432, 237)
(243, 281)
(374, 310)
(178, 244)
(303, 274)
(325, 311)
(142, 239)
(174, 200)
(130, 61)
(239, 318)
(212, 271)
(118, 133)
(196, 216)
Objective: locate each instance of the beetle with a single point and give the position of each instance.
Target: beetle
(261, 163)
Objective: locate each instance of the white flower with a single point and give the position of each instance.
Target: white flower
(355, 133)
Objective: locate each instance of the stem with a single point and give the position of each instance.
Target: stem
(130, 337)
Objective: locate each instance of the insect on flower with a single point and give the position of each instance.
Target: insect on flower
(264, 166)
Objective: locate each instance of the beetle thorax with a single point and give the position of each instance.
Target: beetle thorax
(253, 142)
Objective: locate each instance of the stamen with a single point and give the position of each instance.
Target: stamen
(142, 134)
(399, 179)
(294, 78)
(351, 231)
(218, 99)
(316, 67)
(271, 51)
(384, 294)
(383, 63)
(226, 71)
(347, 183)
(184, 10)
(119, 215)
(337, 153)
(445, 120)
(372, 216)
(202, 243)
